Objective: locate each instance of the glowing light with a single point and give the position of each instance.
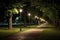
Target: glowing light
(29, 14)
(20, 10)
(35, 16)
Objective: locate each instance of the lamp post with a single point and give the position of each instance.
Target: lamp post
(20, 13)
(29, 17)
(20, 10)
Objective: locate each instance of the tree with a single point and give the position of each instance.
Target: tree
(50, 8)
(10, 13)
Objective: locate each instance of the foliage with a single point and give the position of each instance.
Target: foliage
(15, 11)
(49, 8)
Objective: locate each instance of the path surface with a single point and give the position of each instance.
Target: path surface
(31, 34)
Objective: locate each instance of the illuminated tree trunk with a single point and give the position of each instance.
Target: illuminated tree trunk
(10, 21)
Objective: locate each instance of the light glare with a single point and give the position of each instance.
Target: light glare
(21, 10)
(29, 14)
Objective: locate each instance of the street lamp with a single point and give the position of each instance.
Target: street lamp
(20, 11)
(29, 14)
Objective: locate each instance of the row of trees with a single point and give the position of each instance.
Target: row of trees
(48, 9)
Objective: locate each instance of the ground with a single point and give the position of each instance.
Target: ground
(39, 33)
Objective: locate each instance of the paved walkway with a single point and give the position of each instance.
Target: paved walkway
(42, 25)
(31, 34)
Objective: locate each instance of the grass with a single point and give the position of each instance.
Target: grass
(52, 30)
(24, 29)
(50, 34)
(49, 25)
(46, 34)
(28, 26)
(6, 32)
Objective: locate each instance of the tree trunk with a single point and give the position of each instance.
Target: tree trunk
(10, 21)
(59, 23)
(25, 19)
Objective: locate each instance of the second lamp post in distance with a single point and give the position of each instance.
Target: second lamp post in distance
(20, 11)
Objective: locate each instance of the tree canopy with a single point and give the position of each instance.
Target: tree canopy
(49, 8)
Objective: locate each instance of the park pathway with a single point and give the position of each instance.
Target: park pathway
(31, 34)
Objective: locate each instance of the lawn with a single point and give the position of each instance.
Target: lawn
(50, 34)
(6, 32)
(28, 26)
(49, 25)
(46, 34)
